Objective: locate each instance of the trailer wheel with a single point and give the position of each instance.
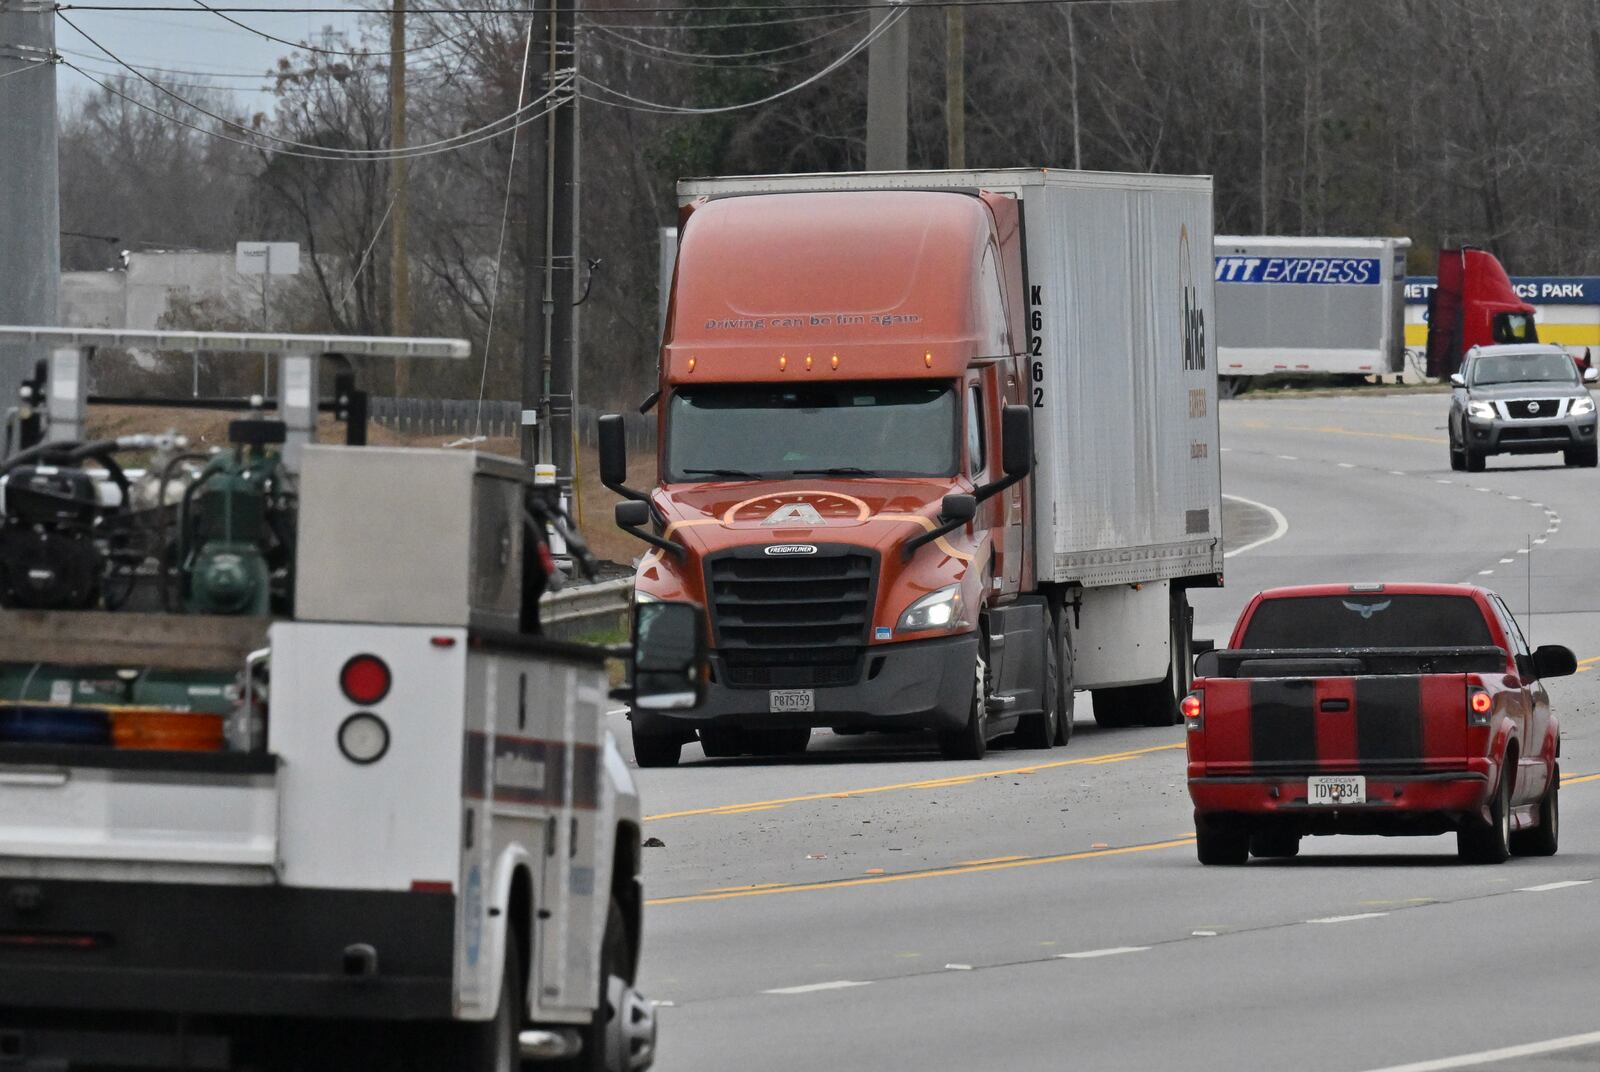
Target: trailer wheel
(1043, 730)
(971, 741)
(653, 751)
(1066, 702)
(1541, 840)
(1489, 842)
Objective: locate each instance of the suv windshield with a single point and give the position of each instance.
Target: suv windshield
(1367, 620)
(1524, 368)
(844, 429)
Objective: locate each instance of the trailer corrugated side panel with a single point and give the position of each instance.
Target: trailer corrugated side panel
(1129, 480)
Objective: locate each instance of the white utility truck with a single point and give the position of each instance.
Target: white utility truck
(1309, 306)
(289, 777)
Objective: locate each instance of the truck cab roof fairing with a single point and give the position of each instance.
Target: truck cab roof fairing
(882, 280)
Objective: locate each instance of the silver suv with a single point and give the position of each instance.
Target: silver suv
(1521, 399)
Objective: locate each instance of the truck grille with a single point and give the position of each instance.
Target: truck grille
(793, 621)
(1524, 408)
(1513, 434)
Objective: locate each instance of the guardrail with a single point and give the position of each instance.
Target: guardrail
(581, 609)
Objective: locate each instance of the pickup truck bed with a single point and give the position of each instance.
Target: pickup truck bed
(1374, 739)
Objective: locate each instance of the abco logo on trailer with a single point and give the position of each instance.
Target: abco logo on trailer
(1193, 324)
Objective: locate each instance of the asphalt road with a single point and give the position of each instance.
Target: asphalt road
(873, 906)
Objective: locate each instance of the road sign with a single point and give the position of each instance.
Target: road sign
(267, 258)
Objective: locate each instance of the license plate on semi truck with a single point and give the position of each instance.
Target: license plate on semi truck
(785, 701)
(1336, 789)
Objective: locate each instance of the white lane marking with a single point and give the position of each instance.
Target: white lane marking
(1348, 919)
(1481, 489)
(958, 967)
(1514, 498)
(1114, 951)
(1541, 539)
(1520, 551)
(1444, 481)
(1346, 465)
(1288, 458)
(1503, 561)
(1204, 934)
(1505, 1053)
(1227, 450)
(1548, 886)
(1280, 525)
(1485, 572)
(1396, 472)
(812, 988)
(1540, 505)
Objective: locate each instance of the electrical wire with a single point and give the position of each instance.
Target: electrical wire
(795, 46)
(524, 121)
(500, 249)
(21, 70)
(455, 141)
(225, 17)
(836, 8)
(640, 104)
(366, 254)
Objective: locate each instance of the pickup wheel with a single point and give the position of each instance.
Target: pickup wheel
(1586, 457)
(971, 741)
(1043, 730)
(652, 751)
(1276, 845)
(1218, 842)
(1489, 842)
(1541, 840)
(1473, 459)
(1458, 459)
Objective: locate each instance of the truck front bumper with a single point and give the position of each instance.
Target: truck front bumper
(1432, 803)
(920, 684)
(1531, 436)
(81, 947)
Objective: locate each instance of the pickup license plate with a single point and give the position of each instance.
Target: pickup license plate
(785, 701)
(1336, 789)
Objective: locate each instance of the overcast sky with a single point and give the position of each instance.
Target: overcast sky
(198, 48)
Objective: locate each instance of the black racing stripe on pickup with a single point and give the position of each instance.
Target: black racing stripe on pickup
(1283, 721)
(1389, 717)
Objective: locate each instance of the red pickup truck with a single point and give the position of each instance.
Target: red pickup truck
(1393, 709)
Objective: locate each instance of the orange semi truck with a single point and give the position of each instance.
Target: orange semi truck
(937, 450)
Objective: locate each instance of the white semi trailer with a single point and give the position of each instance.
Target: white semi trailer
(1308, 306)
(384, 828)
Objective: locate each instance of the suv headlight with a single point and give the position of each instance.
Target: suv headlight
(1481, 409)
(1580, 407)
(936, 610)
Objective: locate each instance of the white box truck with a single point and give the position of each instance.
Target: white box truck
(1291, 306)
(938, 449)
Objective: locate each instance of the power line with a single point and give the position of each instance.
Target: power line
(321, 151)
(524, 121)
(640, 104)
(664, 52)
(837, 8)
(225, 17)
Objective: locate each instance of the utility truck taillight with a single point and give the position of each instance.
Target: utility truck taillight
(365, 680)
(1479, 704)
(1193, 708)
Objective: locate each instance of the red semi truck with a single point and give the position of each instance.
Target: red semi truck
(1474, 304)
(937, 449)
(1375, 709)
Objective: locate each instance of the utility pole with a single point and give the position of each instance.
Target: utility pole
(30, 213)
(888, 74)
(955, 87)
(399, 180)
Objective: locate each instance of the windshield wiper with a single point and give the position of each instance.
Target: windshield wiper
(838, 470)
(736, 474)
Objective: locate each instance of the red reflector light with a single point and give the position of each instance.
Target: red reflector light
(443, 641)
(365, 680)
(421, 886)
(1481, 702)
(51, 940)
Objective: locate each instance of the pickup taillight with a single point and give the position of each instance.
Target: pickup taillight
(1479, 705)
(1193, 707)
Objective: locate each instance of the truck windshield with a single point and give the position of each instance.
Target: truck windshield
(759, 430)
(1525, 368)
(1367, 620)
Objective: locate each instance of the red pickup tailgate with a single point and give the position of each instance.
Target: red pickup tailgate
(1379, 724)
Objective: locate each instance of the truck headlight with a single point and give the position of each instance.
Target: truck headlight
(1481, 409)
(1580, 407)
(936, 610)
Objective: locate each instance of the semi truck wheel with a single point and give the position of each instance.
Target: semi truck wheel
(1541, 840)
(656, 751)
(971, 741)
(722, 743)
(1042, 730)
(1489, 842)
(1066, 704)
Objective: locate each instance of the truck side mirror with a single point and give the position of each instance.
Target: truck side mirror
(613, 451)
(958, 508)
(1457, 380)
(1554, 660)
(631, 513)
(1016, 441)
(1591, 375)
(669, 656)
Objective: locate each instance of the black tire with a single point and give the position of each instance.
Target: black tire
(971, 741)
(1042, 729)
(1458, 461)
(653, 751)
(606, 1048)
(492, 1046)
(1584, 457)
(1542, 839)
(1066, 697)
(1218, 842)
(1474, 460)
(1489, 842)
(1275, 845)
(722, 743)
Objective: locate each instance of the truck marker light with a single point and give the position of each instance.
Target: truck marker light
(927, 359)
(808, 362)
(365, 680)
(424, 886)
(783, 362)
(836, 362)
(691, 364)
(443, 641)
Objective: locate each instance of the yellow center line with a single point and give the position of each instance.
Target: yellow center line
(990, 860)
(1332, 429)
(941, 872)
(930, 783)
(1580, 778)
(1589, 661)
